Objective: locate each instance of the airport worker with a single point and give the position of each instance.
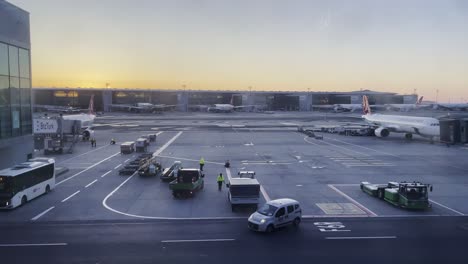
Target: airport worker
(112, 141)
(220, 181)
(92, 142)
(202, 163)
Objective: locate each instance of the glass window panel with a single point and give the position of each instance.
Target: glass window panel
(5, 114)
(3, 59)
(25, 93)
(13, 58)
(24, 63)
(15, 106)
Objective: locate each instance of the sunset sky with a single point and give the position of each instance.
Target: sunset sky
(336, 45)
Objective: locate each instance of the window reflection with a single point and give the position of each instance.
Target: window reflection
(3, 59)
(13, 59)
(24, 63)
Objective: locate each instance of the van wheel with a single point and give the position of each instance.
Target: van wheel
(47, 189)
(296, 222)
(24, 200)
(270, 228)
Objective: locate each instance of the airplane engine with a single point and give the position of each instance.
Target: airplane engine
(381, 132)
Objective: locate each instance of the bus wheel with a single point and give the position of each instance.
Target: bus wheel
(24, 200)
(47, 189)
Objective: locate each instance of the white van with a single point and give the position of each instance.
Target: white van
(274, 214)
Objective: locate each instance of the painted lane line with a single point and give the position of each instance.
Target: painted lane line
(198, 240)
(91, 183)
(60, 162)
(126, 160)
(69, 197)
(34, 245)
(355, 145)
(264, 193)
(104, 175)
(228, 173)
(161, 149)
(328, 143)
(41, 214)
(352, 200)
(446, 207)
(116, 167)
(179, 158)
(348, 238)
(90, 167)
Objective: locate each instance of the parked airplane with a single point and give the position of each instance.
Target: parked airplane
(142, 107)
(407, 107)
(228, 108)
(384, 124)
(452, 107)
(86, 120)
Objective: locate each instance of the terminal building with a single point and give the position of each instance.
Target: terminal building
(16, 140)
(192, 100)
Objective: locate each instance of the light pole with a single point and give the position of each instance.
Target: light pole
(437, 96)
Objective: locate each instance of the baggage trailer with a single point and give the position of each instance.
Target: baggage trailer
(243, 191)
(141, 145)
(188, 181)
(409, 195)
(127, 147)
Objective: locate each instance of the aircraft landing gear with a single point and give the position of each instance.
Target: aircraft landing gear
(409, 136)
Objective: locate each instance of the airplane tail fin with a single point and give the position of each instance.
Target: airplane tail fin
(365, 105)
(420, 100)
(91, 105)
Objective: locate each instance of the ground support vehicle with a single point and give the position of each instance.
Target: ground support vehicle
(309, 133)
(410, 195)
(243, 192)
(275, 214)
(169, 174)
(127, 147)
(188, 181)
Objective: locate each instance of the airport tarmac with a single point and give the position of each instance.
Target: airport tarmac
(323, 175)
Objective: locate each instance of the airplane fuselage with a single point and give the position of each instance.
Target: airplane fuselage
(424, 126)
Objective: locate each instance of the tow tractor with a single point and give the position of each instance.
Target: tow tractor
(188, 181)
(410, 195)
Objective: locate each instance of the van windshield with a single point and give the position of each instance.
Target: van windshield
(267, 210)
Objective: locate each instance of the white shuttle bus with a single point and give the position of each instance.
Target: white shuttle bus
(26, 181)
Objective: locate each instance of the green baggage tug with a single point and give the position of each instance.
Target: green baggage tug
(410, 195)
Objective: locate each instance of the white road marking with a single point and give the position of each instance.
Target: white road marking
(90, 167)
(126, 160)
(104, 202)
(446, 207)
(33, 245)
(116, 167)
(198, 240)
(69, 197)
(161, 149)
(363, 154)
(82, 154)
(179, 158)
(352, 200)
(374, 237)
(41, 214)
(386, 153)
(264, 193)
(91, 183)
(104, 175)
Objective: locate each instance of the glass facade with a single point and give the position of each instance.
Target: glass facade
(15, 92)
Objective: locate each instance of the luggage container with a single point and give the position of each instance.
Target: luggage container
(127, 147)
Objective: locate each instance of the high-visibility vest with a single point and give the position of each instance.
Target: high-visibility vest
(220, 178)
(202, 161)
